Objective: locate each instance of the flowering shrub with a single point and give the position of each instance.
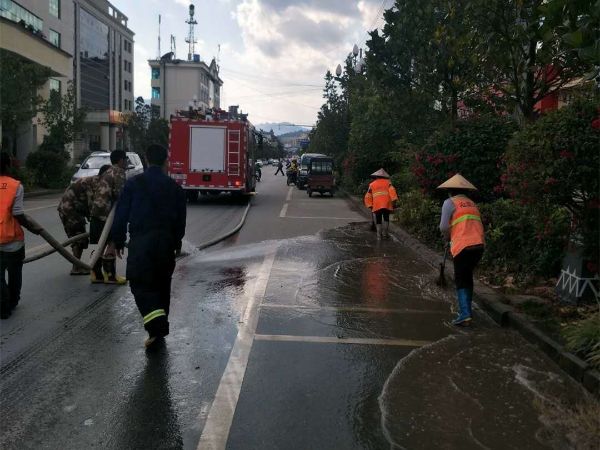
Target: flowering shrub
(555, 162)
(474, 148)
(522, 240)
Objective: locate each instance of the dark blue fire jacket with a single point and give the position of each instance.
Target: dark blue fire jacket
(154, 206)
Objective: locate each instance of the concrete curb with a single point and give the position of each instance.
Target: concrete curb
(495, 305)
(42, 192)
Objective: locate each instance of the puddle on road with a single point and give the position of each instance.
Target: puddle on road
(483, 389)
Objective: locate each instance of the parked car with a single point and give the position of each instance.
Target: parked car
(272, 162)
(259, 162)
(91, 165)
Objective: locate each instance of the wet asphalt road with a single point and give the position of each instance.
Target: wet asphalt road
(300, 332)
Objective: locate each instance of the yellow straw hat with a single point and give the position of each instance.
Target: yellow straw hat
(380, 174)
(457, 182)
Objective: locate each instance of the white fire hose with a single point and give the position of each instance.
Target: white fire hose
(60, 248)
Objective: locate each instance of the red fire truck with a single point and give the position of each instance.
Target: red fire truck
(212, 152)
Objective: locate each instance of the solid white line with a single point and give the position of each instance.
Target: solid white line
(40, 207)
(353, 309)
(289, 194)
(216, 430)
(323, 217)
(283, 210)
(335, 340)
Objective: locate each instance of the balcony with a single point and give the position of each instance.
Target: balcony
(19, 40)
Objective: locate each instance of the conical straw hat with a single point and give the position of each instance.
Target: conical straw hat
(381, 174)
(457, 182)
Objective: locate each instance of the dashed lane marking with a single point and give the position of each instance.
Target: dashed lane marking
(354, 309)
(283, 210)
(335, 340)
(218, 423)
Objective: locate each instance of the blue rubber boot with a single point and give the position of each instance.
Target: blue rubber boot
(464, 308)
(470, 301)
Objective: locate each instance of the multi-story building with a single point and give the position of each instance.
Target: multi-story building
(38, 31)
(84, 41)
(175, 83)
(103, 70)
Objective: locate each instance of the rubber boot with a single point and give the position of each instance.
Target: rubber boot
(464, 315)
(470, 302)
(378, 228)
(109, 263)
(96, 275)
(386, 229)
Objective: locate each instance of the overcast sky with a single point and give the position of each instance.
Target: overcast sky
(274, 53)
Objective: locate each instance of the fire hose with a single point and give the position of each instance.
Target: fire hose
(60, 247)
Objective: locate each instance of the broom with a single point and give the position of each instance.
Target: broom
(441, 281)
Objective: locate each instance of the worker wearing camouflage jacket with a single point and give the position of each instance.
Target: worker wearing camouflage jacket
(106, 195)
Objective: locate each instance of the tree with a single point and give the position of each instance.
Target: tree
(61, 117)
(523, 57)
(145, 127)
(20, 80)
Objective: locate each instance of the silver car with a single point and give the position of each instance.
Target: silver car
(91, 165)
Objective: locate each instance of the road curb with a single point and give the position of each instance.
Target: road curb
(495, 305)
(42, 192)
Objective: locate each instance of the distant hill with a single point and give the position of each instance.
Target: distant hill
(280, 128)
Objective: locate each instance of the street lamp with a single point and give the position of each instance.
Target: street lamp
(359, 62)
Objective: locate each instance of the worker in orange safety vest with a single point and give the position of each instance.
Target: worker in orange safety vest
(461, 225)
(12, 238)
(380, 198)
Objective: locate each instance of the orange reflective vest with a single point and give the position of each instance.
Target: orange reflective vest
(466, 228)
(368, 200)
(383, 194)
(10, 229)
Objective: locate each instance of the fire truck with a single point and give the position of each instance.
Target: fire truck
(212, 151)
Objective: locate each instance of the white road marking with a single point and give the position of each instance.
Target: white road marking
(353, 309)
(216, 430)
(322, 217)
(40, 207)
(335, 340)
(283, 210)
(289, 194)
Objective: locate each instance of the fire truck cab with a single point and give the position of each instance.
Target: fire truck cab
(212, 152)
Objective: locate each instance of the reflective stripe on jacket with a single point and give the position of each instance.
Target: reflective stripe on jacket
(10, 229)
(383, 194)
(466, 228)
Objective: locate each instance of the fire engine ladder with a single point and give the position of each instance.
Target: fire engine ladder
(233, 152)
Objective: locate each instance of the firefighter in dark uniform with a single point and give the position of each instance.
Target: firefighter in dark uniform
(154, 206)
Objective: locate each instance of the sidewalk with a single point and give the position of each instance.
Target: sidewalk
(498, 307)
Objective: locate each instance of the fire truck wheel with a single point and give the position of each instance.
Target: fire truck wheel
(192, 196)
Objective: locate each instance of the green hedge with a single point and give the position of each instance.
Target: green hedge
(519, 240)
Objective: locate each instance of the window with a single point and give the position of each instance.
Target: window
(156, 92)
(321, 167)
(11, 11)
(54, 85)
(54, 38)
(127, 46)
(155, 73)
(55, 8)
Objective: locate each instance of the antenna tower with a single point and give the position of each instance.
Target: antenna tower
(190, 39)
(159, 55)
(173, 48)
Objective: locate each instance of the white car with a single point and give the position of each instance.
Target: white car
(91, 165)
